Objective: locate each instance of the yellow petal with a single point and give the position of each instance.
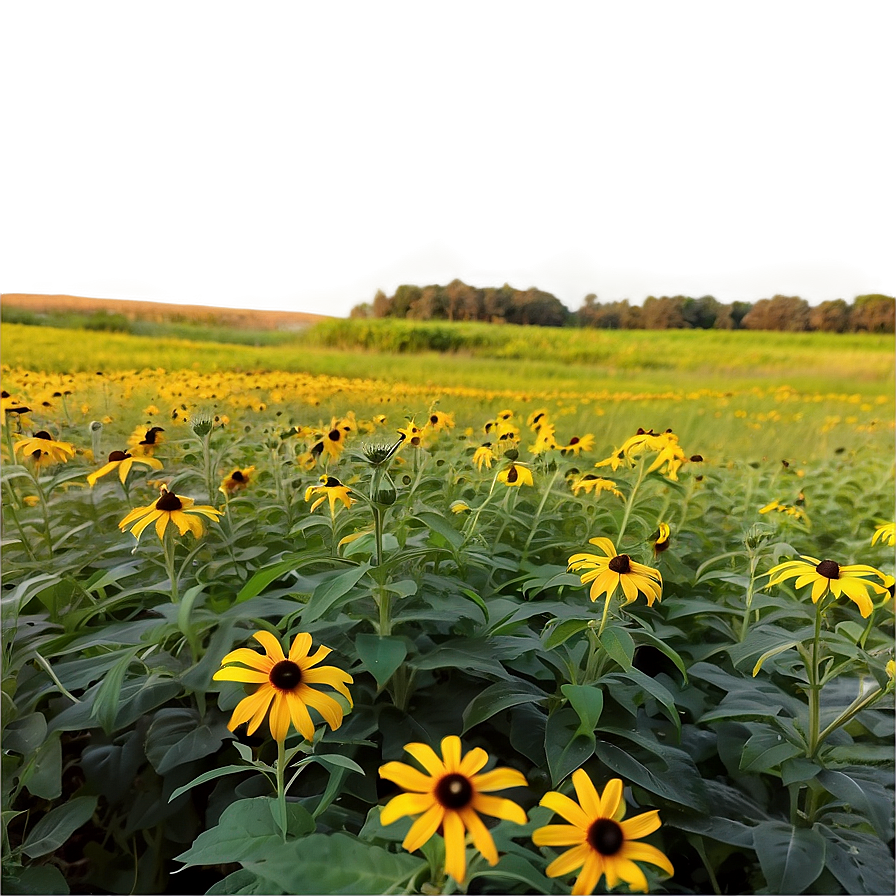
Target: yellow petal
(451, 752)
(558, 835)
(237, 673)
(455, 853)
(641, 825)
(499, 808)
(586, 792)
(568, 861)
(426, 756)
(300, 646)
(330, 711)
(406, 804)
(644, 852)
(499, 779)
(151, 517)
(587, 880)
(564, 806)
(482, 839)
(627, 871)
(249, 706)
(271, 645)
(249, 658)
(472, 762)
(406, 777)
(423, 828)
(298, 712)
(279, 718)
(610, 799)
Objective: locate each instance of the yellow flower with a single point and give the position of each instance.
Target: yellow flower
(439, 420)
(828, 576)
(661, 538)
(144, 442)
(331, 489)
(43, 449)
(576, 445)
(591, 484)
(237, 481)
(607, 573)
(603, 845)
(122, 461)
(515, 475)
(459, 507)
(451, 795)
(181, 511)
(545, 440)
(484, 455)
(286, 683)
(413, 435)
(885, 534)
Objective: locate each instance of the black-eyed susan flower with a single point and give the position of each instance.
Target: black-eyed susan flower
(594, 485)
(885, 534)
(791, 510)
(450, 795)
(285, 686)
(330, 489)
(237, 481)
(439, 420)
(182, 512)
(545, 439)
(484, 456)
(43, 449)
(122, 461)
(603, 844)
(576, 445)
(413, 435)
(144, 441)
(661, 538)
(829, 577)
(613, 570)
(537, 419)
(515, 475)
(333, 442)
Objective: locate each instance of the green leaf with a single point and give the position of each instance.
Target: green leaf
(58, 825)
(565, 747)
(516, 868)
(246, 832)
(588, 702)
(643, 636)
(37, 880)
(791, 858)
(328, 592)
(860, 861)
(654, 688)
(765, 751)
(436, 523)
(177, 736)
(265, 576)
(209, 776)
(498, 697)
(334, 760)
(26, 734)
(243, 883)
(107, 700)
(380, 656)
(41, 773)
(564, 631)
(336, 863)
(473, 596)
(870, 798)
(619, 645)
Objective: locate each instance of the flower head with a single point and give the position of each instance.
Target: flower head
(183, 512)
(885, 534)
(607, 573)
(591, 484)
(578, 444)
(144, 441)
(238, 480)
(439, 420)
(484, 455)
(450, 795)
(603, 845)
(829, 577)
(43, 449)
(330, 489)
(122, 461)
(661, 538)
(284, 686)
(515, 475)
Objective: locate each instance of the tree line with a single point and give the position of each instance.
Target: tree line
(505, 304)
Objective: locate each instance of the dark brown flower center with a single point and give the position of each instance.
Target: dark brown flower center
(169, 501)
(574, 440)
(829, 569)
(332, 482)
(286, 675)
(238, 476)
(151, 434)
(605, 836)
(512, 474)
(621, 564)
(43, 434)
(454, 791)
(334, 435)
(434, 418)
(118, 456)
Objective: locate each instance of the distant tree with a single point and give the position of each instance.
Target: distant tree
(873, 313)
(664, 313)
(432, 304)
(406, 296)
(381, 304)
(702, 313)
(363, 310)
(462, 302)
(497, 303)
(739, 310)
(830, 317)
(789, 313)
(585, 316)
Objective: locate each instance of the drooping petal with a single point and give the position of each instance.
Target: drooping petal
(482, 839)
(406, 777)
(98, 474)
(424, 827)
(151, 517)
(568, 861)
(330, 711)
(499, 807)
(499, 779)
(332, 676)
(135, 514)
(627, 871)
(455, 853)
(629, 587)
(161, 524)
(271, 645)
(567, 808)
(406, 804)
(279, 717)
(591, 872)
(644, 852)
(857, 592)
(249, 707)
(558, 835)
(426, 756)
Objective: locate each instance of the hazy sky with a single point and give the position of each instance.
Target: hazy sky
(301, 155)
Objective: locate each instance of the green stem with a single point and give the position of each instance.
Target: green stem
(748, 603)
(281, 789)
(815, 684)
(861, 702)
(15, 518)
(537, 516)
(630, 502)
(168, 549)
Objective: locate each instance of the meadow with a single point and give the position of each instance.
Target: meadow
(414, 608)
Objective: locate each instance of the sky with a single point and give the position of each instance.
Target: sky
(302, 155)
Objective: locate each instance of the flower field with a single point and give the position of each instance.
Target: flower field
(274, 630)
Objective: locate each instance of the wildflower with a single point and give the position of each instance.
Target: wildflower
(484, 455)
(576, 445)
(791, 510)
(828, 576)
(122, 461)
(237, 481)
(536, 419)
(183, 512)
(330, 489)
(603, 845)
(515, 475)
(43, 449)
(661, 538)
(413, 435)
(451, 794)
(285, 682)
(144, 442)
(607, 573)
(885, 534)
(459, 506)
(591, 484)
(439, 420)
